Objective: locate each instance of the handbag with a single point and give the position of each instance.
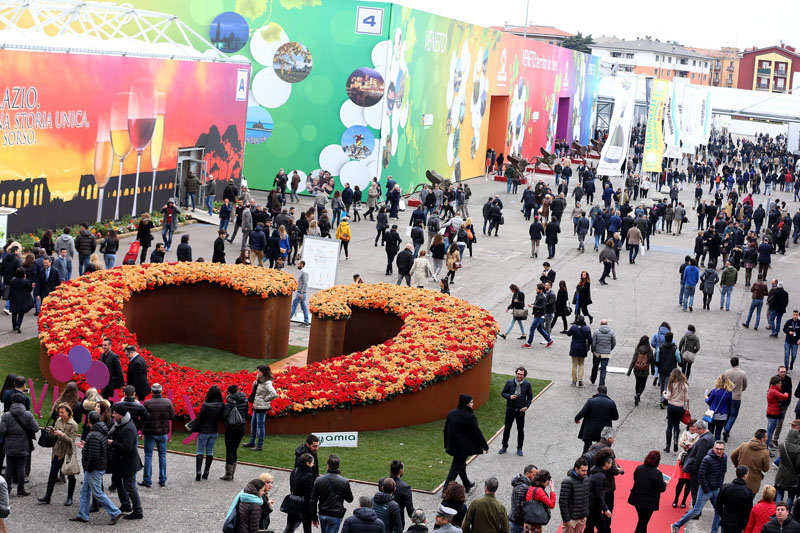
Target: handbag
(191, 425)
(708, 416)
(293, 505)
(519, 314)
(687, 416)
(231, 521)
(252, 397)
(534, 511)
(46, 439)
(71, 466)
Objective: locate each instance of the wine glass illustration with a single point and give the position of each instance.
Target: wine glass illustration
(120, 140)
(141, 122)
(103, 161)
(157, 143)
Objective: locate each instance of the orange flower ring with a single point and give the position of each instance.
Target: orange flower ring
(441, 337)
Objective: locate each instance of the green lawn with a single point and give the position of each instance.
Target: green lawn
(210, 358)
(420, 446)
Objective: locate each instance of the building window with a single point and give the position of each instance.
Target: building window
(656, 58)
(616, 54)
(694, 62)
(717, 64)
(692, 75)
(629, 56)
(704, 77)
(669, 59)
(705, 64)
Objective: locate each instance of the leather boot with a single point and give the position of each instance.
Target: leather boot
(51, 483)
(233, 470)
(70, 490)
(227, 476)
(198, 462)
(209, 459)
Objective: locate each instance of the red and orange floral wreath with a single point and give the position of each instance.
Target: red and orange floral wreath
(442, 335)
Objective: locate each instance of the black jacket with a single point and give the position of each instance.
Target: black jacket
(667, 355)
(598, 412)
(209, 416)
(536, 230)
(364, 519)
(388, 511)
(161, 413)
(691, 463)
(405, 260)
(597, 485)
(125, 459)
(328, 495)
(648, 484)
(301, 483)
(551, 232)
(184, 252)
(138, 412)
(523, 400)
(790, 525)
(393, 241)
(518, 301)
(403, 496)
(733, 505)
(299, 451)
(218, 256)
(462, 435)
(573, 498)
(237, 401)
(95, 448)
(116, 379)
(137, 376)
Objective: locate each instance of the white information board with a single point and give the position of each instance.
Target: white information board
(322, 259)
(341, 439)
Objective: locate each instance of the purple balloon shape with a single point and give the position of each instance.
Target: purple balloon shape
(81, 359)
(97, 376)
(61, 368)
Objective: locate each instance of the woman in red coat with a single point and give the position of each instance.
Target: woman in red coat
(762, 511)
(774, 398)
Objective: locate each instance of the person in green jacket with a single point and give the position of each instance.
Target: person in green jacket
(726, 282)
(486, 513)
(688, 347)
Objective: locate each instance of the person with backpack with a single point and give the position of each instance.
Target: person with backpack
(642, 365)
(261, 396)
(387, 510)
(688, 347)
(234, 414)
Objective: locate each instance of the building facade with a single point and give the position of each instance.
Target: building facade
(724, 71)
(771, 69)
(545, 34)
(654, 58)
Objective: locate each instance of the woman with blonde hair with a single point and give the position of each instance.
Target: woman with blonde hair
(269, 504)
(763, 511)
(95, 263)
(719, 402)
(313, 229)
(676, 395)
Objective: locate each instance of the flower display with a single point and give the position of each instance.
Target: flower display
(442, 336)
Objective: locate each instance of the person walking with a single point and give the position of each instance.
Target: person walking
(667, 359)
(719, 400)
(462, 438)
(711, 475)
(579, 348)
(676, 396)
(453, 262)
(604, 340)
(535, 231)
(562, 306)
(754, 455)
(328, 496)
(421, 270)
(156, 429)
(688, 347)
(344, 235)
(301, 484)
(261, 395)
(735, 502)
(739, 379)
(642, 365)
(518, 311)
(206, 426)
(518, 394)
(607, 257)
(582, 298)
(708, 280)
(574, 497)
(18, 427)
(597, 413)
(775, 396)
(787, 480)
(782, 522)
(386, 508)
(364, 519)
(727, 281)
(691, 275)
(758, 291)
(539, 307)
(648, 484)
(402, 492)
(234, 428)
(125, 461)
(392, 246)
(688, 439)
(65, 430)
(486, 513)
(762, 512)
(520, 487)
(551, 232)
(137, 373)
(300, 293)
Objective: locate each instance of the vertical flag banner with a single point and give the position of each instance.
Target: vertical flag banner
(672, 123)
(705, 115)
(654, 136)
(615, 149)
(689, 120)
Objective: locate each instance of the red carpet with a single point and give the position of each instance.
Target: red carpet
(624, 517)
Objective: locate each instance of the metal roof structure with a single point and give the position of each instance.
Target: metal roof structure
(644, 45)
(76, 26)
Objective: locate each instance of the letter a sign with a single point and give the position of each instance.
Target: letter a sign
(242, 76)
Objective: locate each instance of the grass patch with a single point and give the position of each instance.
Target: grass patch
(419, 446)
(204, 358)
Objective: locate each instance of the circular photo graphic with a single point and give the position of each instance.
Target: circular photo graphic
(358, 142)
(320, 181)
(390, 96)
(259, 125)
(365, 87)
(229, 32)
(292, 62)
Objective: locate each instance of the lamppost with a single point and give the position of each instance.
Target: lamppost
(527, 7)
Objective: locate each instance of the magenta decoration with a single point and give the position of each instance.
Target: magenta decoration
(97, 376)
(81, 359)
(61, 368)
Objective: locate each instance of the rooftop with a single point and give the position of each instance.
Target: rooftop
(782, 48)
(643, 45)
(549, 31)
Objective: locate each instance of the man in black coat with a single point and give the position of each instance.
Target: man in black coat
(405, 260)
(116, 378)
(138, 412)
(402, 492)
(519, 395)
(392, 245)
(310, 446)
(463, 438)
(691, 464)
(734, 502)
(137, 373)
(551, 232)
(47, 280)
(598, 412)
(125, 461)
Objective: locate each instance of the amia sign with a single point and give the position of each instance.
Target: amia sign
(343, 439)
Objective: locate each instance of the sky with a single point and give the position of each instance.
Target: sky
(699, 23)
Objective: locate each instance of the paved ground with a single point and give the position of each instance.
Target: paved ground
(644, 295)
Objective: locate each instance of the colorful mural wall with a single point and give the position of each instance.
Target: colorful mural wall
(69, 152)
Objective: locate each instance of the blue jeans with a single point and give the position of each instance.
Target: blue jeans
(83, 260)
(726, 290)
(772, 423)
(790, 495)
(205, 443)
(681, 293)
(703, 497)
(223, 224)
(688, 297)
(257, 427)
(634, 251)
(755, 305)
(293, 196)
(210, 204)
(69, 268)
(160, 442)
(538, 324)
(515, 528)
(511, 326)
(91, 486)
(186, 199)
(596, 239)
(600, 363)
(508, 185)
(774, 318)
(789, 354)
(110, 260)
(329, 524)
(166, 236)
(303, 305)
(734, 413)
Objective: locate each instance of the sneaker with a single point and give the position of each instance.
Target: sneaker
(503, 450)
(580, 383)
(526, 345)
(549, 344)
(519, 452)
(521, 338)
(542, 342)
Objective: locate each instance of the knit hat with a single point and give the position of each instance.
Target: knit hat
(464, 399)
(120, 409)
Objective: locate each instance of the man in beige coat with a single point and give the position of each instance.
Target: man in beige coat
(633, 240)
(755, 456)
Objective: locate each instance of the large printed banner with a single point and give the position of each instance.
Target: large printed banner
(696, 118)
(654, 135)
(615, 150)
(107, 140)
(672, 121)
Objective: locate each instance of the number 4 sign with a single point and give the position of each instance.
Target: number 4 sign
(369, 20)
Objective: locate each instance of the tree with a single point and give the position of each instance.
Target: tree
(579, 42)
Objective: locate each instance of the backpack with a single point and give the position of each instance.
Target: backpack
(234, 419)
(434, 225)
(642, 363)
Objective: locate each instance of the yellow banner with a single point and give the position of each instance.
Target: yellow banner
(654, 136)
